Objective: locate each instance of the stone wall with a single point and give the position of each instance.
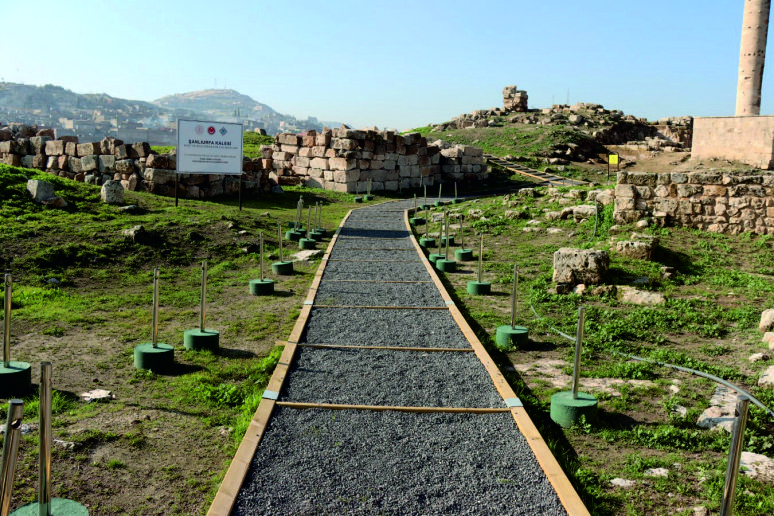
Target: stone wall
(344, 160)
(716, 201)
(514, 99)
(748, 139)
(135, 165)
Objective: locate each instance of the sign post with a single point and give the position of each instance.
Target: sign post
(209, 148)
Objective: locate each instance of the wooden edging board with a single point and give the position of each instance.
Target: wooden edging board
(240, 464)
(554, 472)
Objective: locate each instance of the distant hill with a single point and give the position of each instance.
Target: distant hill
(94, 116)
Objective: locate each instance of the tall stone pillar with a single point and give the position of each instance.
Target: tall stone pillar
(752, 54)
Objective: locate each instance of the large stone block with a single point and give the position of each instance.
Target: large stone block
(344, 144)
(40, 190)
(160, 176)
(142, 149)
(38, 144)
(112, 192)
(89, 163)
(580, 266)
(320, 163)
(346, 176)
(55, 147)
(342, 163)
(288, 139)
(89, 149)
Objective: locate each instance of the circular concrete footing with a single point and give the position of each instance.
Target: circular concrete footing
(445, 265)
(58, 507)
(567, 411)
(443, 241)
(358, 199)
(423, 207)
(457, 200)
(368, 197)
(294, 235)
(317, 234)
(264, 287)
(463, 255)
(482, 288)
(198, 340)
(160, 358)
(307, 243)
(16, 379)
(439, 203)
(427, 242)
(509, 337)
(434, 257)
(417, 221)
(282, 268)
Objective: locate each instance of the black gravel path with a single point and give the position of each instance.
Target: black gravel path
(361, 462)
(321, 461)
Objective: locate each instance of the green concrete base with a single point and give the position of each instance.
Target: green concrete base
(423, 207)
(463, 255)
(443, 241)
(434, 257)
(57, 507)
(509, 337)
(294, 235)
(321, 231)
(264, 287)
(307, 243)
(16, 379)
(317, 234)
(566, 411)
(282, 268)
(482, 288)
(427, 242)
(198, 340)
(444, 265)
(438, 204)
(417, 221)
(358, 199)
(368, 197)
(457, 201)
(160, 358)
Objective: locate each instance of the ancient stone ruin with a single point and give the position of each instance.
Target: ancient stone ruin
(345, 160)
(514, 99)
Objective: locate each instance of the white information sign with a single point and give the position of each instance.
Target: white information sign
(209, 147)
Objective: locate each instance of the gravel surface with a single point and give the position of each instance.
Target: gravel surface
(403, 271)
(390, 255)
(363, 462)
(374, 243)
(382, 377)
(406, 328)
(356, 293)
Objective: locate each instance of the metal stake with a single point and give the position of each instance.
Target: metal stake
(440, 186)
(455, 189)
(202, 306)
(155, 322)
(480, 257)
(513, 295)
(415, 205)
(578, 346)
(44, 459)
(261, 252)
(308, 223)
(425, 194)
(440, 233)
(734, 454)
(279, 238)
(7, 322)
(426, 217)
(10, 453)
(446, 249)
(317, 215)
(462, 234)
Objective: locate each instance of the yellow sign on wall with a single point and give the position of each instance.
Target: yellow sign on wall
(612, 159)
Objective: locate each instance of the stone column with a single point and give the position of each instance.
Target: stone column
(752, 54)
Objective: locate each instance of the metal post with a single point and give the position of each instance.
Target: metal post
(44, 459)
(462, 233)
(446, 249)
(10, 453)
(317, 215)
(440, 186)
(425, 194)
(261, 251)
(734, 454)
(279, 239)
(513, 295)
(440, 233)
(480, 257)
(415, 205)
(203, 305)
(155, 321)
(240, 192)
(578, 346)
(309, 223)
(7, 322)
(455, 189)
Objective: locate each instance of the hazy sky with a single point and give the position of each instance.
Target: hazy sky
(395, 63)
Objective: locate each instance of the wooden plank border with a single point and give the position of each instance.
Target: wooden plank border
(553, 471)
(240, 464)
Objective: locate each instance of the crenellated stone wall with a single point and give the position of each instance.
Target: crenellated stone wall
(716, 201)
(345, 159)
